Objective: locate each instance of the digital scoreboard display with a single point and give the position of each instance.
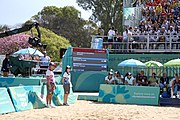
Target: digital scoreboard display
(85, 59)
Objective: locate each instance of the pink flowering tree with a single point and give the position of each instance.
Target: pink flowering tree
(13, 43)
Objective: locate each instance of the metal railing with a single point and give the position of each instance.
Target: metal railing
(138, 43)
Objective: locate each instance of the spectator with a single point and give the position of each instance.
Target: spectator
(5, 66)
(162, 38)
(111, 34)
(153, 39)
(110, 79)
(101, 31)
(117, 45)
(142, 79)
(125, 39)
(119, 77)
(176, 84)
(136, 34)
(162, 16)
(175, 38)
(129, 79)
(44, 62)
(164, 81)
(153, 81)
(130, 38)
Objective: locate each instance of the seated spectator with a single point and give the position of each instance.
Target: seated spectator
(174, 39)
(162, 38)
(176, 84)
(153, 39)
(142, 79)
(110, 78)
(119, 78)
(153, 81)
(164, 81)
(129, 79)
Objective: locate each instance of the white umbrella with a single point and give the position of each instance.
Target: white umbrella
(131, 63)
(30, 51)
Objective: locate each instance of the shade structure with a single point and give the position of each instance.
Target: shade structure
(30, 51)
(173, 63)
(131, 63)
(153, 64)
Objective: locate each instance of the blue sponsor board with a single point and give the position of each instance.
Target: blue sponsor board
(26, 97)
(129, 94)
(6, 105)
(16, 81)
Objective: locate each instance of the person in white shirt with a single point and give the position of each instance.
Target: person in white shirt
(129, 79)
(110, 78)
(111, 35)
(119, 78)
(125, 39)
(66, 84)
(51, 85)
(44, 62)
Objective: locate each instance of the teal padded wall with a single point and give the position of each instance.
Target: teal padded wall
(6, 105)
(125, 94)
(87, 81)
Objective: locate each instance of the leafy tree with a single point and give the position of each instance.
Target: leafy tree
(107, 12)
(16, 42)
(66, 22)
(13, 43)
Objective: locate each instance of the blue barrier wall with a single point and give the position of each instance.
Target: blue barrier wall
(16, 81)
(129, 94)
(6, 105)
(58, 97)
(26, 97)
(32, 97)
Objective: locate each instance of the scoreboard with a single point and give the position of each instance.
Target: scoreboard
(86, 59)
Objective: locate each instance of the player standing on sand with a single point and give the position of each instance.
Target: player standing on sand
(51, 85)
(66, 84)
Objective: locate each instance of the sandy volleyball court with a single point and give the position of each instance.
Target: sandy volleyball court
(85, 110)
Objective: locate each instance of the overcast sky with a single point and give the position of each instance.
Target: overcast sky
(18, 11)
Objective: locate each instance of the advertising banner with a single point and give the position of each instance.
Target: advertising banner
(129, 94)
(58, 97)
(18, 81)
(32, 97)
(26, 97)
(6, 105)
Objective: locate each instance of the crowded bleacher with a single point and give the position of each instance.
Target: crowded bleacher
(158, 28)
(161, 21)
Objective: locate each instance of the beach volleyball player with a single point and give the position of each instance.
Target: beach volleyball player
(51, 85)
(66, 84)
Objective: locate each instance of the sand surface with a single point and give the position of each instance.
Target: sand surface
(87, 110)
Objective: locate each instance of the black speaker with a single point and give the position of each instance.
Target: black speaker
(62, 52)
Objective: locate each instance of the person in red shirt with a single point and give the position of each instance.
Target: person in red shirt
(163, 13)
(157, 1)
